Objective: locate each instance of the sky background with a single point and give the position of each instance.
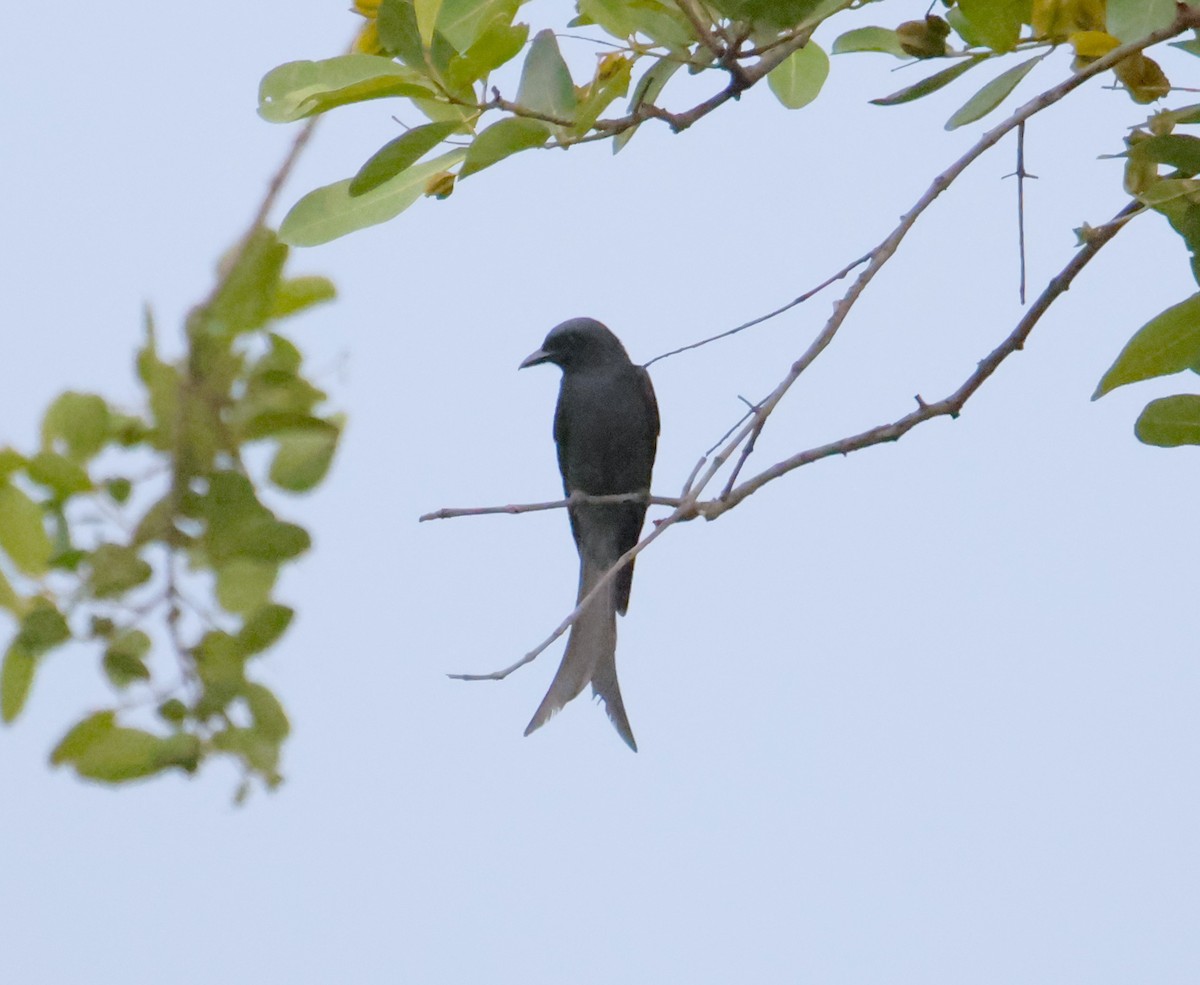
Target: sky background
(925, 714)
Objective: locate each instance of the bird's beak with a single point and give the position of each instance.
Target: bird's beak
(535, 359)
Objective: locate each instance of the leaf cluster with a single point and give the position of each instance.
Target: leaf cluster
(114, 527)
(441, 56)
(1160, 173)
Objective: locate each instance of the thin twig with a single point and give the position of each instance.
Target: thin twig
(566, 624)
(687, 486)
(769, 315)
(274, 186)
(747, 451)
(1021, 175)
(449, 513)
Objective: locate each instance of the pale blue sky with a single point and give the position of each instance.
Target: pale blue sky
(927, 714)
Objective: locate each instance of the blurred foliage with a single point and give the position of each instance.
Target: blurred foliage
(141, 534)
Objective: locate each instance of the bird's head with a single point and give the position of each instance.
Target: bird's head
(577, 344)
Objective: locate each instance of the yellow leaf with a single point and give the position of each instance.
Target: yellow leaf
(1060, 18)
(610, 65)
(367, 42)
(1092, 44)
(1143, 77)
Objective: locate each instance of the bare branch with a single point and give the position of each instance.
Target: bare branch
(952, 404)
(449, 513)
(1021, 175)
(609, 575)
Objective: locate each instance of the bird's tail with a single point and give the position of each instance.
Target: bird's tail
(590, 658)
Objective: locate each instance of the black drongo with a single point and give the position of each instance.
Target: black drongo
(606, 430)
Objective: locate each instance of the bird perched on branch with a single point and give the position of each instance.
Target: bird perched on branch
(606, 431)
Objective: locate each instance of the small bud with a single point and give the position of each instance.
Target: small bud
(441, 185)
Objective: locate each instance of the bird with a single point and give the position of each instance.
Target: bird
(606, 429)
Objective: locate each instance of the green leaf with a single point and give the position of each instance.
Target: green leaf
(255, 749)
(996, 23)
(624, 19)
(115, 570)
(262, 629)
(119, 754)
(611, 82)
(396, 21)
(1184, 114)
(647, 90)
(23, 531)
(881, 39)
(173, 710)
(931, 84)
(1175, 199)
(464, 22)
(427, 17)
(299, 89)
(240, 526)
(397, 155)
(298, 293)
(546, 85)
(76, 424)
(11, 461)
(99, 749)
(304, 457)
(9, 599)
(82, 736)
(991, 95)
(16, 678)
(1168, 343)
(497, 46)
(244, 586)
(1191, 45)
(59, 474)
(769, 13)
(270, 720)
(330, 212)
(180, 750)
(221, 666)
(1170, 421)
(247, 294)
(124, 658)
(502, 139)
(797, 80)
(1130, 20)
(1177, 150)
(42, 628)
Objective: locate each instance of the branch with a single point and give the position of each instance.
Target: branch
(609, 575)
(449, 513)
(952, 404)
(274, 186)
